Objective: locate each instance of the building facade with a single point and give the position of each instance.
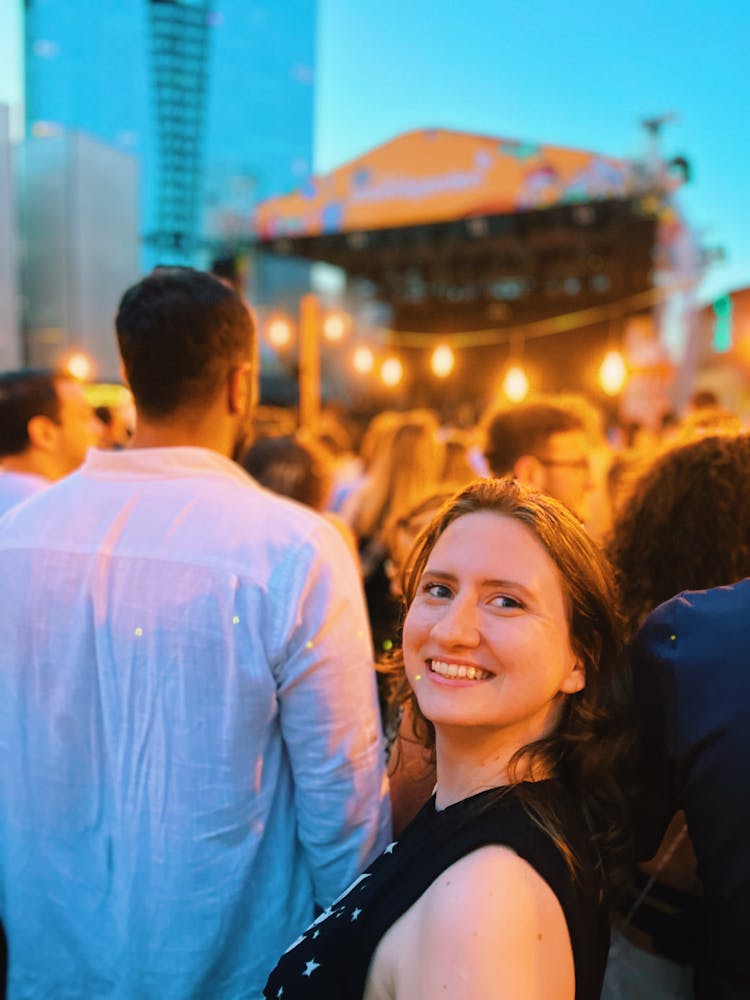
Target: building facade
(10, 343)
(214, 98)
(77, 201)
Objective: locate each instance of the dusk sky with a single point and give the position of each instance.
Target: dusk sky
(580, 75)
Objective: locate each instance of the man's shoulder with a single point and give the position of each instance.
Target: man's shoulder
(212, 510)
(727, 606)
(692, 632)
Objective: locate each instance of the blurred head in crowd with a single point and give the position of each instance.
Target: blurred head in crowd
(116, 430)
(685, 526)
(458, 468)
(544, 444)
(705, 421)
(46, 424)
(292, 467)
(703, 398)
(406, 465)
(188, 349)
(401, 532)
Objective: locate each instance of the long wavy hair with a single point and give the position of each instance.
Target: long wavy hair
(407, 466)
(590, 747)
(685, 526)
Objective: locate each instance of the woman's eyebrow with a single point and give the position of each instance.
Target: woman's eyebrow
(439, 573)
(512, 584)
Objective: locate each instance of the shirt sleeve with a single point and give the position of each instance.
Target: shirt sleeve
(329, 716)
(656, 702)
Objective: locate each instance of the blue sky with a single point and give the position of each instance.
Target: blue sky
(581, 74)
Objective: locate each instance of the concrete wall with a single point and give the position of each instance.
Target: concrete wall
(78, 206)
(10, 339)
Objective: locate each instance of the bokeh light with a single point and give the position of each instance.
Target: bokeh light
(391, 372)
(79, 365)
(516, 384)
(335, 326)
(613, 373)
(443, 361)
(279, 332)
(363, 360)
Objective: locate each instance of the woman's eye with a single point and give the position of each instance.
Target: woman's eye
(503, 601)
(437, 590)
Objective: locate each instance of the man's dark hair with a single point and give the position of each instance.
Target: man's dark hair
(523, 430)
(24, 395)
(179, 332)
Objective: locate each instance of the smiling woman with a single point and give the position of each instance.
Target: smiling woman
(504, 639)
(499, 886)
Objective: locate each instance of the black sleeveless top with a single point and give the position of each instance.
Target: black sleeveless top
(332, 957)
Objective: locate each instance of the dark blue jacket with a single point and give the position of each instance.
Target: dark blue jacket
(691, 665)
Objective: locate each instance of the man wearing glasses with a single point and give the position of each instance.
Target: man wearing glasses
(545, 444)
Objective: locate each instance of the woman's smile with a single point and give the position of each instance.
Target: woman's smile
(458, 671)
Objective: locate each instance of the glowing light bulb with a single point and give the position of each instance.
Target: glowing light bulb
(363, 360)
(392, 372)
(443, 361)
(279, 332)
(79, 365)
(516, 384)
(613, 373)
(334, 326)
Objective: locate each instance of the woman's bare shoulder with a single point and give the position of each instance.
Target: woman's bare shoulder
(488, 926)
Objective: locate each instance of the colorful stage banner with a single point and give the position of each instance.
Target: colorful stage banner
(434, 175)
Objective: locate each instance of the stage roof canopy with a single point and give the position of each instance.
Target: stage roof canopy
(435, 175)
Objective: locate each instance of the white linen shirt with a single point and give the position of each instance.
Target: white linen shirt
(16, 486)
(189, 738)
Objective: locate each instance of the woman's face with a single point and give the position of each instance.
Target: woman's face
(486, 640)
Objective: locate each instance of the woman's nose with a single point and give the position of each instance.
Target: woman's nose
(457, 623)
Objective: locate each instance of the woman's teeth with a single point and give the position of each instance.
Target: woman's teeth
(458, 670)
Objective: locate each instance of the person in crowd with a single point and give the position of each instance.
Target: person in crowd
(498, 886)
(407, 466)
(692, 688)
(291, 466)
(544, 443)
(46, 426)
(457, 467)
(351, 478)
(299, 467)
(116, 429)
(336, 432)
(705, 421)
(193, 757)
(685, 526)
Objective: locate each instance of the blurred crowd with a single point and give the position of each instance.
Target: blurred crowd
(205, 693)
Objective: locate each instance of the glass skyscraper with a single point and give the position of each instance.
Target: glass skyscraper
(213, 97)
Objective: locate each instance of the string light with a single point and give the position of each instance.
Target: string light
(613, 373)
(391, 372)
(363, 360)
(334, 326)
(279, 332)
(79, 365)
(516, 384)
(443, 361)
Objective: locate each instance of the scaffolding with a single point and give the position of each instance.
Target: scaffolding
(179, 49)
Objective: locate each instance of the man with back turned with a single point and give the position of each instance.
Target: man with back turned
(188, 722)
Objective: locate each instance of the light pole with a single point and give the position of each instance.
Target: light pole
(309, 360)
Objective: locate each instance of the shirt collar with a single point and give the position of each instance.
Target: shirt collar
(161, 463)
